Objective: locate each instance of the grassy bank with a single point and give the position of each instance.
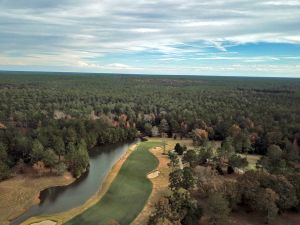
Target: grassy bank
(127, 194)
(21, 192)
(62, 217)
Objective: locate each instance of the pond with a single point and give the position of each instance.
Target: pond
(62, 198)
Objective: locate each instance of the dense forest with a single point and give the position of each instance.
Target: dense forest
(213, 184)
(52, 120)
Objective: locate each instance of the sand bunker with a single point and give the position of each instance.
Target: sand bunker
(45, 222)
(153, 174)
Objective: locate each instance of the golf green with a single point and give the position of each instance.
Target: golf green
(127, 194)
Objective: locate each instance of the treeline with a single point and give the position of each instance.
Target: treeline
(57, 145)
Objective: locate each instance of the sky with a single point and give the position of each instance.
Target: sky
(180, 37)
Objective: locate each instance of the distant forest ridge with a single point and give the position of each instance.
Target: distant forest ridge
(75, 73)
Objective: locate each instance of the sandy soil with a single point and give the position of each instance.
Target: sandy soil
(153, 174)
(45, 222)
(160, 182)
(21, 192)
(65, 216)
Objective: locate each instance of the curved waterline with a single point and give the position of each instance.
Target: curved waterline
(62, 198)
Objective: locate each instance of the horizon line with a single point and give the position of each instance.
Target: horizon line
(146, 74)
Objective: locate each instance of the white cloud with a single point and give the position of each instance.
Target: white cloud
(233, 69)
(219, 46)
(145, 30)
(112, 66)
(159, 22)
(120, 66)
(244, 59)
(282, 3)
(64, 32)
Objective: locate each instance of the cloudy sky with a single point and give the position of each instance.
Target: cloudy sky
(195, 37)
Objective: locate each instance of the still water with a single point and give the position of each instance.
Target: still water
(63, 198)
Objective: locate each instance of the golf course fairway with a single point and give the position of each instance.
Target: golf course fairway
(127, 194)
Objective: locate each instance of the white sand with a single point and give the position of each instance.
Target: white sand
(45, 222)
(153, 174)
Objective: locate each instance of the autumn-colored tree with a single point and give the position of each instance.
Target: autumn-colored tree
(234, 130)
(200, 137)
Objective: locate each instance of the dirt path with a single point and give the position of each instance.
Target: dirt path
(65, 216)
(160, 183)
(180, 162)
(21, 192)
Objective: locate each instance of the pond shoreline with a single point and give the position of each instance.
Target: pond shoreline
(23, 191)
(128, 193)
(62, 217)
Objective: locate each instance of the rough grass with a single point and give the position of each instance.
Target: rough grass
(127, 194)
(252, 160)
(170, 142)
(21, 192)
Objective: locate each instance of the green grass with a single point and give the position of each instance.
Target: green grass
(252, 160)
(127, 194)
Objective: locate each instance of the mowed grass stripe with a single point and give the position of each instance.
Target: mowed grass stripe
(127, 194)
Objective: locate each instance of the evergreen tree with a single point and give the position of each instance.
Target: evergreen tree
(217, 209)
